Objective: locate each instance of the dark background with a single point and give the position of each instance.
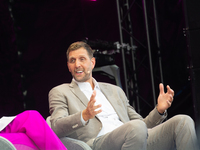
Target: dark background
(35, 34)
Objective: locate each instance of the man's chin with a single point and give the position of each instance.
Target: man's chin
(79, 79)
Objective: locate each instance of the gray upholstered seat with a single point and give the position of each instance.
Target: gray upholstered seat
(5, 144)
(112, 70)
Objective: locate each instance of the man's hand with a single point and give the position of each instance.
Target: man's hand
(164, 99)
(90, 112)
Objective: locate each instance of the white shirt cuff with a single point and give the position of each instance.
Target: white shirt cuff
(83, 121)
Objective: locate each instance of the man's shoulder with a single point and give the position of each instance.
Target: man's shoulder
(108, 84)
(61, 87)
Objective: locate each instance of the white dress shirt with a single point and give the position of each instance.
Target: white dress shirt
(108, 116)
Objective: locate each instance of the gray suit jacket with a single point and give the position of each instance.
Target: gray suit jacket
(66, 102)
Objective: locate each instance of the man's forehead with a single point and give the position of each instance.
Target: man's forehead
(78, 53)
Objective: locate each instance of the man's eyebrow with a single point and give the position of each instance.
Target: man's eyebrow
(78, 56)
(71, 57)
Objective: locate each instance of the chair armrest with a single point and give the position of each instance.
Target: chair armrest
(5, 144)
(74, 144)
(70, 143)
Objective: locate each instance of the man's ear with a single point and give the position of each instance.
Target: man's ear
(68, 67)
(93, 60)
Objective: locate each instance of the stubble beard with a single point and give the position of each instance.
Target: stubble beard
(85, 78)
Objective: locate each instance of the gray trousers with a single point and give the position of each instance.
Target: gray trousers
(177, 133)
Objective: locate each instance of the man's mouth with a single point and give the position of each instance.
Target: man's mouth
(79, 72)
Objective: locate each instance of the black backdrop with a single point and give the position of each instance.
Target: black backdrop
(35, 39)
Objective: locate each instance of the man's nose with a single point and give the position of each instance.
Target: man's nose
(77, 63)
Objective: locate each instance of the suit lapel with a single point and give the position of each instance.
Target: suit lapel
(80, 95)
(113, 99)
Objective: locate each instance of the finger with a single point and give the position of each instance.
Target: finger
(172, 92)
(169, 90)
(98, 111)
(91, 103)
(93, 95)
(92, 98)
(169, 103)
(97, 106)
(170, 98)
(161, 87)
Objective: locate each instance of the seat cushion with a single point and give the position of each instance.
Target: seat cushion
(5, 144)
(20, 141)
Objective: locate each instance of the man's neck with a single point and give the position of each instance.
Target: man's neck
(89, 81)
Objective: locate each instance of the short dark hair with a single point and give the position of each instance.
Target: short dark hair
(76, 45)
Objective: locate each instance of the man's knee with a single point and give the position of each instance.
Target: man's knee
(184, 120)
(138, 129)
(182, 123)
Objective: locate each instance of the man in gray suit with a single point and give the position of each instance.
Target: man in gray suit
(100, 115)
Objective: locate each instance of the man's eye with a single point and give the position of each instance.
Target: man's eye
(82, 59)
(72, 61)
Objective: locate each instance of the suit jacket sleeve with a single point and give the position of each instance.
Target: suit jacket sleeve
(152, 119)
(66, 103)
(62, 122)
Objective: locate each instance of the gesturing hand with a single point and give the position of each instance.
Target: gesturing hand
(90, 112)
(164, 99)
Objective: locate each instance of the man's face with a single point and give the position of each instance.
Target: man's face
(80, 65)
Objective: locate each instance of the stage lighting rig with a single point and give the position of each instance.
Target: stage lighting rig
(105, 45)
